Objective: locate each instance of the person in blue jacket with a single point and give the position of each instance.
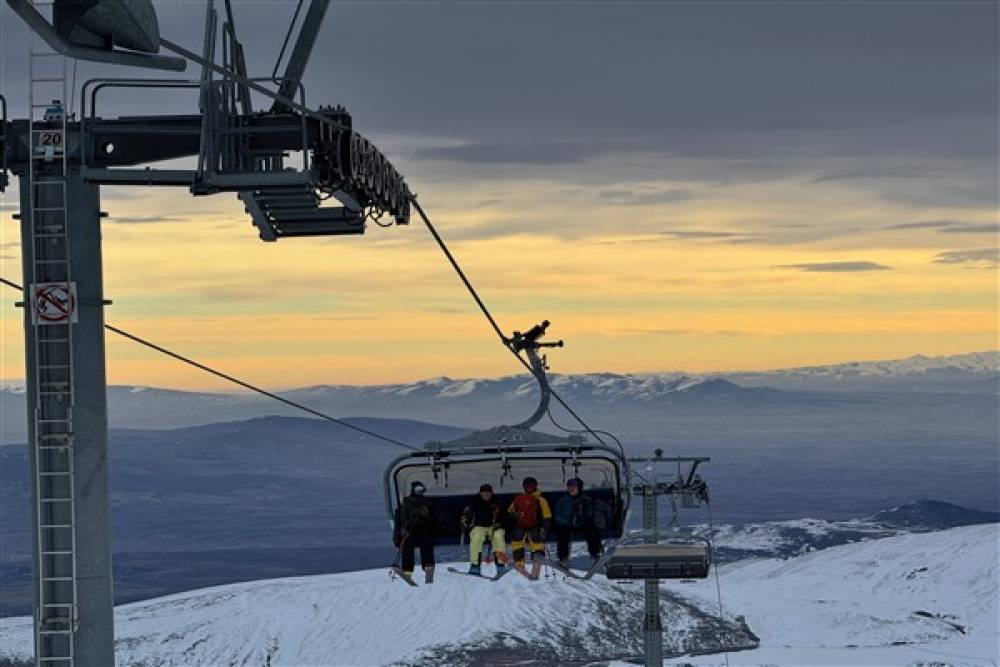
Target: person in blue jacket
(575, 514)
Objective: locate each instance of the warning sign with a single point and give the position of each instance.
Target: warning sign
(53, 303)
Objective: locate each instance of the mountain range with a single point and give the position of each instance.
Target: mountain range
(483, 402)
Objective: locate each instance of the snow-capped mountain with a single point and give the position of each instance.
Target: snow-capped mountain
(980, 363)
(897, 600)
(471, 401)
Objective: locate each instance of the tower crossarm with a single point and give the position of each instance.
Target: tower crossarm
(250, 154)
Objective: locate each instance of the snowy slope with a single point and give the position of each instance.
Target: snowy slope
(363, 618)
(921, 591)
(878, 602)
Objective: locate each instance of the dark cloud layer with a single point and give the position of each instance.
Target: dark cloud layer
(717, 79)
(837, 267)
(770, 88)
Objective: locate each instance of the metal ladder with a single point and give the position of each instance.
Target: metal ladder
(55, 510)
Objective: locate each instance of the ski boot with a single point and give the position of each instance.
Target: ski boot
(428, 575)
(501, 562)
(475, 569)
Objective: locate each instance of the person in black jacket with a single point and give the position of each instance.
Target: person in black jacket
(415, 527)
(484, 518)
(575, 513)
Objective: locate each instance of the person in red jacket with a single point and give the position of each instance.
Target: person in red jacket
(532, 518)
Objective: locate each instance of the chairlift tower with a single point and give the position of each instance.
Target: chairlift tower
(656, 562)
(61, 160)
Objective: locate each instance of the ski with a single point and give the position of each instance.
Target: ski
(495, 577)
(562, 570)
(409, 580)
(536, 571)
(573, 575)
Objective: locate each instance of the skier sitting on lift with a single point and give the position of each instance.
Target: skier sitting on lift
(485, 519)
(575, 513)
(415, 527)
(532, 518)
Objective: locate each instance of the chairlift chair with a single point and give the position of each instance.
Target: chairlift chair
(679, 556)
(503, 456)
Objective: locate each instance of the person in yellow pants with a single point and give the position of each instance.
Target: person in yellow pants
(484, 519)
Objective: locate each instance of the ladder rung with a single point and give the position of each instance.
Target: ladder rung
(54, 526)
(50, 181)
(54, 474)
(57, 553)
(57, 579)
(55, 500)
(56, 448)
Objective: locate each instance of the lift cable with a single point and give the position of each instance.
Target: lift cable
(493, 323)
(241, 383)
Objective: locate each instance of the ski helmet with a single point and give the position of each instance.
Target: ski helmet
(417, 488)
(576, 481)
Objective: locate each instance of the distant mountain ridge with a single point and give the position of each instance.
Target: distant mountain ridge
(481, 402)
(618, 386)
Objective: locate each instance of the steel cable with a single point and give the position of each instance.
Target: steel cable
(241, 383)
(492, 320)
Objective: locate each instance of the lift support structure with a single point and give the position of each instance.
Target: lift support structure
(286, 162)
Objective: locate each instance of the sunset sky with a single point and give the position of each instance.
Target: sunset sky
(675, 185)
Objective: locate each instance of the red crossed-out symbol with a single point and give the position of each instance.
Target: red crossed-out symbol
(54, 303)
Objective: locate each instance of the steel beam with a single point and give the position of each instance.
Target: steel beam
(299, 58)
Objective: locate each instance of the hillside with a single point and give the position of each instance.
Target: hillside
(898, 597)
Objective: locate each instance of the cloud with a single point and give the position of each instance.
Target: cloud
(984, 257)
(707, 235)
(837, 267)
(142, 219)
(530, 153)
(624, 197)
(854, 174)
(950, 226)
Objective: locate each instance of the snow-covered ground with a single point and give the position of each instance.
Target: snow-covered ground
(909, 596)
(929, 598)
